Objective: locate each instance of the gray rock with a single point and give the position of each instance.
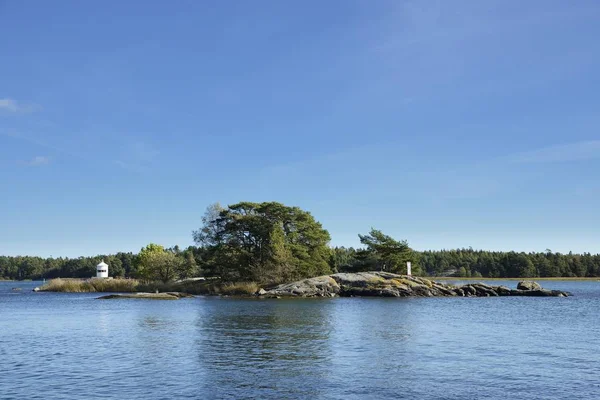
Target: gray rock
(359, 279)
(180, 295)
(483, 285)
(484, 290)
(443, 291)
(469, 290)
(149, 296)
(313, 287)
(503, 291)
(529, 285)
(421, 290)
(385, 284)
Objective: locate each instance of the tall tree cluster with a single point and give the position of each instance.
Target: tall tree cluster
(264, 242)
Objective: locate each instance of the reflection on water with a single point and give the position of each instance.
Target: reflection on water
(71, 346)
(268, 344)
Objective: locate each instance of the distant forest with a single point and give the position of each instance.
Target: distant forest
(460, 263)
(270, 242)
(488, 264)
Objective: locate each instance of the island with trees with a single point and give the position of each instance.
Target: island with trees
(246, 246)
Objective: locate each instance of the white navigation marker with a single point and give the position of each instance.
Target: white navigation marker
(408, 265)
(102, 270)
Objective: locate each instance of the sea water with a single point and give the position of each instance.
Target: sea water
(72, 346)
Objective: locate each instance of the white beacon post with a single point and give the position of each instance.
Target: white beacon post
(408, 271)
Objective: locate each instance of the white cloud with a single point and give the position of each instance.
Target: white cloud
(577, 151)
(8, 105)
(11, 106)
(38, 161)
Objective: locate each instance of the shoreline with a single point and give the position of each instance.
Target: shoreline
(532, 278)
(371, 284)
(385, 284)
(432, 278)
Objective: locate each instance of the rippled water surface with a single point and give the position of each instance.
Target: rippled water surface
(71, 346)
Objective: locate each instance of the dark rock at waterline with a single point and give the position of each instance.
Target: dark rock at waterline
(180, 295)
(540, 293)
(503, 291)
(529, 285)
(149, 296)
(385, 284)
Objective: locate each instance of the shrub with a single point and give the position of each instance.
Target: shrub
(238, 288)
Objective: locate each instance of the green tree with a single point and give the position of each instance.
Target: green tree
(190, 267)
(115, 266)
(154, 263)
(127, 263)
(265, 242)
(391, 254)
(208, 235)
(342, 259)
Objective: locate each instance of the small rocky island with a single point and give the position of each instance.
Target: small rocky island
(149, 296)
(384, 284)
(359, 284)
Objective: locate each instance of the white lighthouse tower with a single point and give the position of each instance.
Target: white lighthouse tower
(102, 270)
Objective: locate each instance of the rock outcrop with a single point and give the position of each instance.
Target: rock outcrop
(529, 285)
(149, 296)
(385, 284)
(321, 286)
(180, 295)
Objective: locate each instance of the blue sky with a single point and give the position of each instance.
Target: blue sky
(449, 124)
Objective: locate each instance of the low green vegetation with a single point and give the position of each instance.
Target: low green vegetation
(210, 287)
(268, 243)
(90, 285)
(237, 288)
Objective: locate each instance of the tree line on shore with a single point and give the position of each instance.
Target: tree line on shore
(272, 243)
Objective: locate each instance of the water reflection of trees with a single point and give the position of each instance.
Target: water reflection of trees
(266, 346)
